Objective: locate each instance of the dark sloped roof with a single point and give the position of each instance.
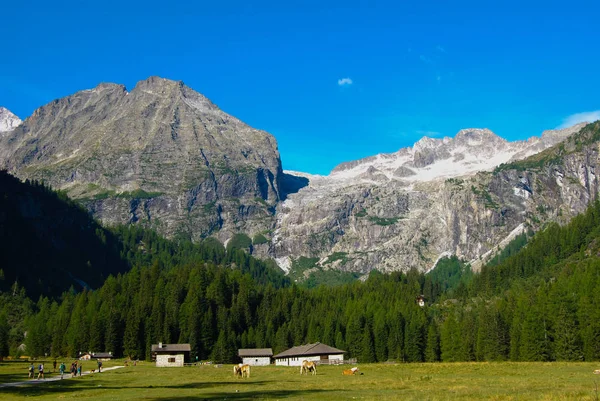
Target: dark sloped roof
(101, 355)
(309, 350)
(248, 352)
(172, 348)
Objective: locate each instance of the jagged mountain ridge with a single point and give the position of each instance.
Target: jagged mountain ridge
(8, 121)
(363, 216)
(162, 154)
(470, 151)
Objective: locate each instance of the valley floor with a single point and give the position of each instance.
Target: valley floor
(439, 381)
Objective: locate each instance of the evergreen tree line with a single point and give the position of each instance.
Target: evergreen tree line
(539, 304)
(544, 311)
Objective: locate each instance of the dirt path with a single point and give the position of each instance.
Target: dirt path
(54, 378)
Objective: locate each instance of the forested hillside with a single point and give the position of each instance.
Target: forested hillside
(49, 243)
(541, 302)
(50, 246)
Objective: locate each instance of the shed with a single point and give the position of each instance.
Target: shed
(256, 356)
(171, 355)
(317, 352)
(101, 356)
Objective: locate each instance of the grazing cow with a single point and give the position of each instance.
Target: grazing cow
(597, 372)
(237, 371)
(245, 370)
(308, 366)
(350, 372)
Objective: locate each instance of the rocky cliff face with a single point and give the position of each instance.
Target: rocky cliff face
(441, 197)
(8, 121)
(162, 155)
(165, 156)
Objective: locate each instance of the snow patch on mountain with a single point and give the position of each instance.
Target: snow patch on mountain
(8, 121)
(470, 151)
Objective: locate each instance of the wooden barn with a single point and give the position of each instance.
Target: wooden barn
(256, 356)
(171, 355)
(317, 352)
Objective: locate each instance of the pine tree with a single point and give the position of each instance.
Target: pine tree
(567, 342)
(432, 349)
(132, 336)
(450, 339)
(4, 337)
(534, 340)
(367, 351)
(414, 343)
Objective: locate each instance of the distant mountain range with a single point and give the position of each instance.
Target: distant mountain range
(164, 156)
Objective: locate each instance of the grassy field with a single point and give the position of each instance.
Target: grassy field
(442, 381)
(15, 371)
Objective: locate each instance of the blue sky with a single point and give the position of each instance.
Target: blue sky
(332, 81)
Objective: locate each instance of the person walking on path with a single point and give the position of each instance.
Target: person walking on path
(99, 366)
(79, 369)
(62, 369)
(31, 371)
(54, 366)
(41, 371)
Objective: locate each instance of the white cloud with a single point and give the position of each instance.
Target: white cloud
(344, 81)
(440, 49)
(586, 117)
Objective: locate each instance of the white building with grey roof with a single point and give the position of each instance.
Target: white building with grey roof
(317, 352)
(171, 355)
(256, 356)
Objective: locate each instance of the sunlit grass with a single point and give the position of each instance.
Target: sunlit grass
(444, 381)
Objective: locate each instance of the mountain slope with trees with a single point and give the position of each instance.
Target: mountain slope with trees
(540, 304)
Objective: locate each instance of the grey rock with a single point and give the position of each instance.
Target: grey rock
(162, 155)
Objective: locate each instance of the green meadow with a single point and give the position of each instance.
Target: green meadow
(419, 381)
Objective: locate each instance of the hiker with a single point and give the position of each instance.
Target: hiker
(41, 371)
(99, 366)
(73, 369)
(79, 370)
(62, 369)
(54, 366)
(31, 371)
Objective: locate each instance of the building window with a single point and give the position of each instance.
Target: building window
(171, 360)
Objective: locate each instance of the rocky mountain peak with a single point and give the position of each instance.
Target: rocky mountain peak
(478, 137)
(193, 164)
(8, 121)
(427, 143)
(175, 91)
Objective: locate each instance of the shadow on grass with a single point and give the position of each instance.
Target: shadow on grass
(247, 395)
(77, 384)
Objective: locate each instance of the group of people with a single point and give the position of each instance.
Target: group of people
(76, 368)
(40, 371)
